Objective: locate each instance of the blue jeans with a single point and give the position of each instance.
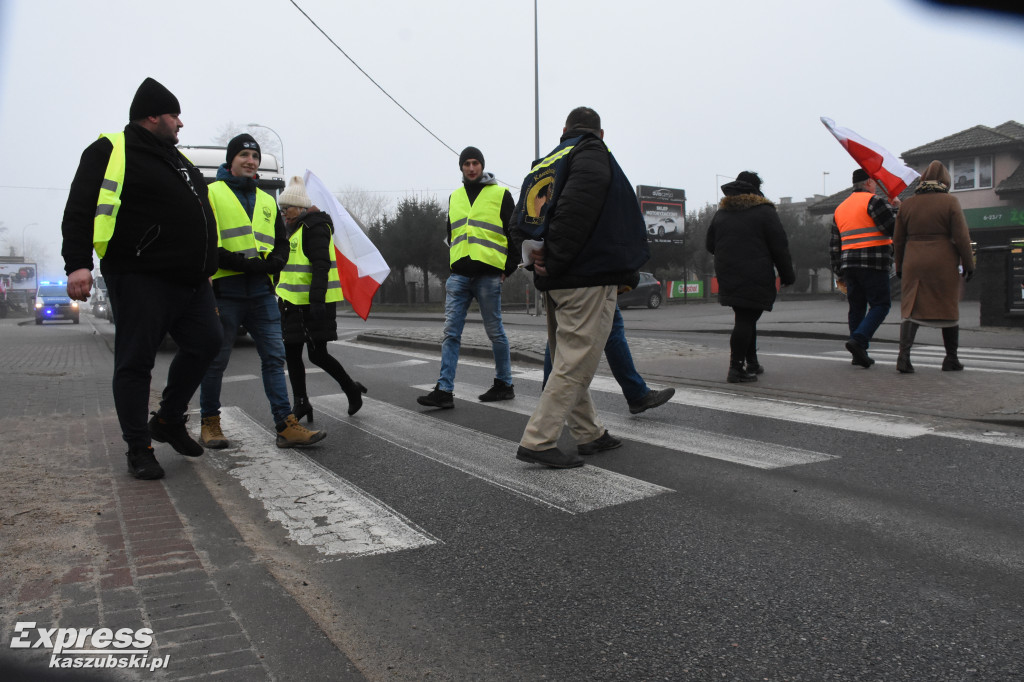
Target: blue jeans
(867, 292)
(460, 291)
(620, 362)
(261, 317)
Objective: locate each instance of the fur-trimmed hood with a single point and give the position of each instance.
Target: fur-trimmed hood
(741, 202)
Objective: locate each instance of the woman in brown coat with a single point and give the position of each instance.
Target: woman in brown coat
(930, 241)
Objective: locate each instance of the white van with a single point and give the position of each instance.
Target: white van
(209, 159)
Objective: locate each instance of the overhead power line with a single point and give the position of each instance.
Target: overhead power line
(338, 47)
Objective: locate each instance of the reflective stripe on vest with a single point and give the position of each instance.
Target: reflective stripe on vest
(235, 232)
(108, 202)
(476, 227)
(856, 228)
(297, 275)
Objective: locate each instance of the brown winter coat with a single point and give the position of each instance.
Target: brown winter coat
(929, 242)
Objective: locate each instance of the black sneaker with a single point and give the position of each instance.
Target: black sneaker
(143, 465)
(606, 442)
(859, 353)
(754, 367)
(553, 458)
(174, 432)
(499, 391)
(651, 400)
(437, 398)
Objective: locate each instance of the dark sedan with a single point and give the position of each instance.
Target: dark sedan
(647, 292)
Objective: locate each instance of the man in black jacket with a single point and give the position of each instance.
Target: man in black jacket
(144, 207)
(594, 241)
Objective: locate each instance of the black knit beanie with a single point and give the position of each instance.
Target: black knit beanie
(152, 99)
(471, 153)
(860, 175)
(240, 142)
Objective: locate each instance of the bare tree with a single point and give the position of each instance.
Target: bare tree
(365, 206)
(267, 140)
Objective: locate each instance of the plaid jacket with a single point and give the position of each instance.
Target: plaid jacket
(872, 257)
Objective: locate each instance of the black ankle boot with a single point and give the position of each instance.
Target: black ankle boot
(303, 408)
(739, 375)
(354, 393)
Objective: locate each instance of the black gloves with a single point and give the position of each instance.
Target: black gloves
(317, 311)
(261, 266)
(899, 274)
(968, 274)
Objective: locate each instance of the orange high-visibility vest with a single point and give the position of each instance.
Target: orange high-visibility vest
(856, 228)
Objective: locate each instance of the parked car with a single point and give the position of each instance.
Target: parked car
(647, 292)
(53, 303)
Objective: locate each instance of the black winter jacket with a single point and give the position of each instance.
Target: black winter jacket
(165, 225)
(576, 213)
(749, 244)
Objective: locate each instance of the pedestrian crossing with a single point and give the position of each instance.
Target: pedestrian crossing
(1002, 361)
(315, 506)
(746, 451)
(320, 509)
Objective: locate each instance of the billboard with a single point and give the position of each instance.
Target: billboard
(19, 276)
(664, 210)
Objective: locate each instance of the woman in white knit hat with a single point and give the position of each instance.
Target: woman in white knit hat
(309, 290)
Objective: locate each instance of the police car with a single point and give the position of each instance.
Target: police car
(53, 303)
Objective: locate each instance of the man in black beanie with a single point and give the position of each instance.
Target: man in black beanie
(860, 250)
(254, 247)
(144, 208)
(480, 259)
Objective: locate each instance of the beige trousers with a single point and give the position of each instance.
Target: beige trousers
(579, 321)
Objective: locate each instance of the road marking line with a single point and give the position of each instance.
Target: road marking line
(314, 505)
(397, 363)
(746, 451)
(914, 359)
(491, 459)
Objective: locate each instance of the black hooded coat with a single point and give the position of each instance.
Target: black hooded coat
(749, 245)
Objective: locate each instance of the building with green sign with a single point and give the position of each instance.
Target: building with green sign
(987, 168)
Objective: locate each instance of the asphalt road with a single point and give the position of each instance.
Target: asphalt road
(725, 540)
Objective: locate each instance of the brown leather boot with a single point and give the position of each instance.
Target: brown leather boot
(292, 434)
(210, 434)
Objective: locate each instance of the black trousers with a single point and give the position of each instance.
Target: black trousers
(146, 308)
(319, 356)
(743, 342)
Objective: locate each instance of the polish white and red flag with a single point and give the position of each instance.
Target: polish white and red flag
(361, 268)
(878, 162)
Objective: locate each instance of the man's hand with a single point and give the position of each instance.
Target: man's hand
(537, 256)
(80, 284)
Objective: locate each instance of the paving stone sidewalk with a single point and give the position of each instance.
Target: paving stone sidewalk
(84, 545)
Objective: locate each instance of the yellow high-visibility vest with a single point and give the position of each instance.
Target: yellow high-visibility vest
(108, 202)
(476, 227)
(297, 275)
(235, 232)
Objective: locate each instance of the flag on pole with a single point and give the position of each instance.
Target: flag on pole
(879, 163)
(361, 268)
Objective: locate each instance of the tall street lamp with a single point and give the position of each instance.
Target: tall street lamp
(23, 238)
(279, 140)
(824, 174)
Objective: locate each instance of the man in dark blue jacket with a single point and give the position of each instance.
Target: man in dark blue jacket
(594, 241)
